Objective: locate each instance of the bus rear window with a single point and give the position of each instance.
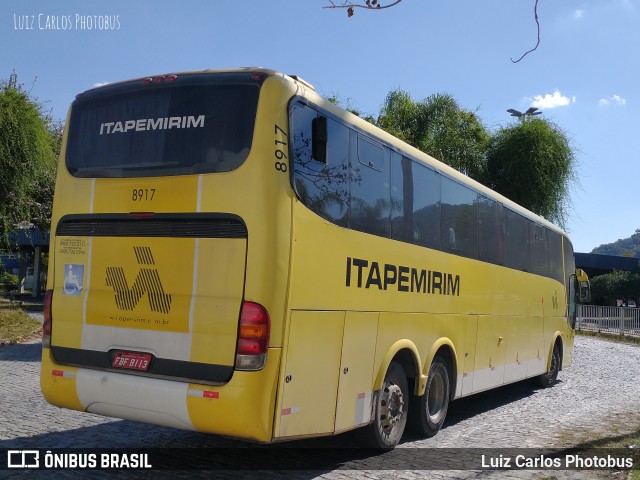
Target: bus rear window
(192, 126)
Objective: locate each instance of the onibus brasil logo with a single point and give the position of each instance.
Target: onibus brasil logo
(147, 281)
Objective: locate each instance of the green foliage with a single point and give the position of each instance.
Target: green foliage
(438, 126)
(8, 282)
(627, 247)
(398, 116)
(348, 106)
(29, 143)
(605, 289)
(532, 163)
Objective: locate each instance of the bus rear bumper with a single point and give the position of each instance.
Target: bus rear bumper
(242, 408)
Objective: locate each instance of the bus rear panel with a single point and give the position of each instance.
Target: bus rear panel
(151, 317)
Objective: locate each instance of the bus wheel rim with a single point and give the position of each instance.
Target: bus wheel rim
(392, 404)
(436, 400)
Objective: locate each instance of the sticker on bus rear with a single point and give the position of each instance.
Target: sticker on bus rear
(73, 279)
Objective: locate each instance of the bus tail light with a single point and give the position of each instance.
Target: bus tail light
(253, 337)
(48, 321)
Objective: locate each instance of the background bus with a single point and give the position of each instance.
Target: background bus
(233, 254)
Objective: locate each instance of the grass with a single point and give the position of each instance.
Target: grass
(630, 442)
(16, 326)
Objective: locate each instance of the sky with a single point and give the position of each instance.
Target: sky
(583, 76)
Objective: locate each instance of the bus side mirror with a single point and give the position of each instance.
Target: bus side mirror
(319, 139)
(584, 287)
(585, 292)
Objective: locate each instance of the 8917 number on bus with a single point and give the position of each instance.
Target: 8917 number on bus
(279, 152)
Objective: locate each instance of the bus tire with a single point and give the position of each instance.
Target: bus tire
(390, 410)
(429, 411)
(547, 380)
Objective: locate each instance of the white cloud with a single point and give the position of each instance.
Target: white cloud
(551, 100)
(619, 100)
(612, 100)
(578, 14)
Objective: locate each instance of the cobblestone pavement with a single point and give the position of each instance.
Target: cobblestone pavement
(597, 397)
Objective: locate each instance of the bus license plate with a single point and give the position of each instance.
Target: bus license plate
(132, 360)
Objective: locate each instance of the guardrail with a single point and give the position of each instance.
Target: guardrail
(617, 320)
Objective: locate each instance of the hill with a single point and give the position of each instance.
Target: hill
(626, 247)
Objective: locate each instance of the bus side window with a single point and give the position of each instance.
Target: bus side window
(517, 242)
(491, 231)
(415, 202)
(370, 191)
(570, 279)
(459, 219)
(538, 261)
(554, 252)
(573, 300)
(321, 174)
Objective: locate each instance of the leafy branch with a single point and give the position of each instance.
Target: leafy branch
(377, 5)
(369, 5)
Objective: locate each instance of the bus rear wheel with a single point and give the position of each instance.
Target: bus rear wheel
(429, 411)
(548, 379)
(390, 410)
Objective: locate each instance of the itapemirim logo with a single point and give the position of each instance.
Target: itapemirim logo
(147, 281)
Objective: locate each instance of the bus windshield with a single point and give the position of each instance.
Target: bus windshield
(195, 124)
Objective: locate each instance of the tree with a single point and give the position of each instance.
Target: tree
(440, 127)
(29, 141)
(606, 289)
(626, 247)
(532, 163)
(347, 104)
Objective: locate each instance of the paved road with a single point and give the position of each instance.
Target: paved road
(597, 397)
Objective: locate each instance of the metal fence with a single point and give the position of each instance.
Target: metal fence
(618, 320)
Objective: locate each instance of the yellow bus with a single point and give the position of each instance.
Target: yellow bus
(232, 253)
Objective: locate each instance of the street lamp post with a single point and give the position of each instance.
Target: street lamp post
(523, 115)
